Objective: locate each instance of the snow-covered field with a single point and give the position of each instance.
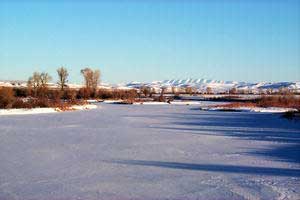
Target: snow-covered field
(122, 152)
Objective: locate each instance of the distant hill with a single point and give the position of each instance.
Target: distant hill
(217, 86)
(198, 84)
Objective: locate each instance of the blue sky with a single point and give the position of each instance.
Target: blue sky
(245, 40)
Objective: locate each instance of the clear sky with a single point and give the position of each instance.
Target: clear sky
(146, 40)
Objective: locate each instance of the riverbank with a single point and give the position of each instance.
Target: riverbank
(31, 111)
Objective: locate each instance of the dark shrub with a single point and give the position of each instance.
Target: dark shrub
(55, 95)
(6, 97)
(70, 95)
(21, 92)
(41, 103)
(290, 101)
(84, 93)
(105, 94)
(19, 103)
(42, 92)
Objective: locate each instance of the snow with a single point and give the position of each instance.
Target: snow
(273, 109)
(27, 111)
(93, 101)
(185, 102)
(42, 110)
(84, 107)
(149, 152)
(151, 103)
(166, 103)
(113, 101)
(252, 109)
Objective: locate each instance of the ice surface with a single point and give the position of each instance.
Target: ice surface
(121, 152)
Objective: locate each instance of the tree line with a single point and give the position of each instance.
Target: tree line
(40, 81)
(39, 94)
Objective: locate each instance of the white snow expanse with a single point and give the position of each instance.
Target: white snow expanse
(145, 152)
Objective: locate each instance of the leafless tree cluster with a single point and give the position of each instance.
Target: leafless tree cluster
(38, 82)
(91, 78)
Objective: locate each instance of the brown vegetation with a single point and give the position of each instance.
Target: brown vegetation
(91, 78)
(237, 105)
(117, 94)
(283, 101)
(37, 84)
(287, 101)
(50, 98)
(6, 97)
(38, 94)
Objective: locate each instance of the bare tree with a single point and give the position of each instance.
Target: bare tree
(91, 78)
(96, 79)
(87, 74)
(34, 82)
(44, 79)
(62, 77)
(38, 82)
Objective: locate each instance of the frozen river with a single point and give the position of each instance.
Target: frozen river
(122, 152)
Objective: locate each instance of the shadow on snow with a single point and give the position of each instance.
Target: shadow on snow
(266, 171)
(246, 126)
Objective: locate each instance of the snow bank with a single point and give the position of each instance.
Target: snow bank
(112, 101)
(273, 109)
(166, 103)
(151, 103)
(27, 111)
(84, 107)
(251, 109)
(43, 110)
(185, 102)
(93, 100)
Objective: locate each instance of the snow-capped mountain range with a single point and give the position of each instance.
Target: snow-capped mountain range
(217, 86)
(198, 84)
